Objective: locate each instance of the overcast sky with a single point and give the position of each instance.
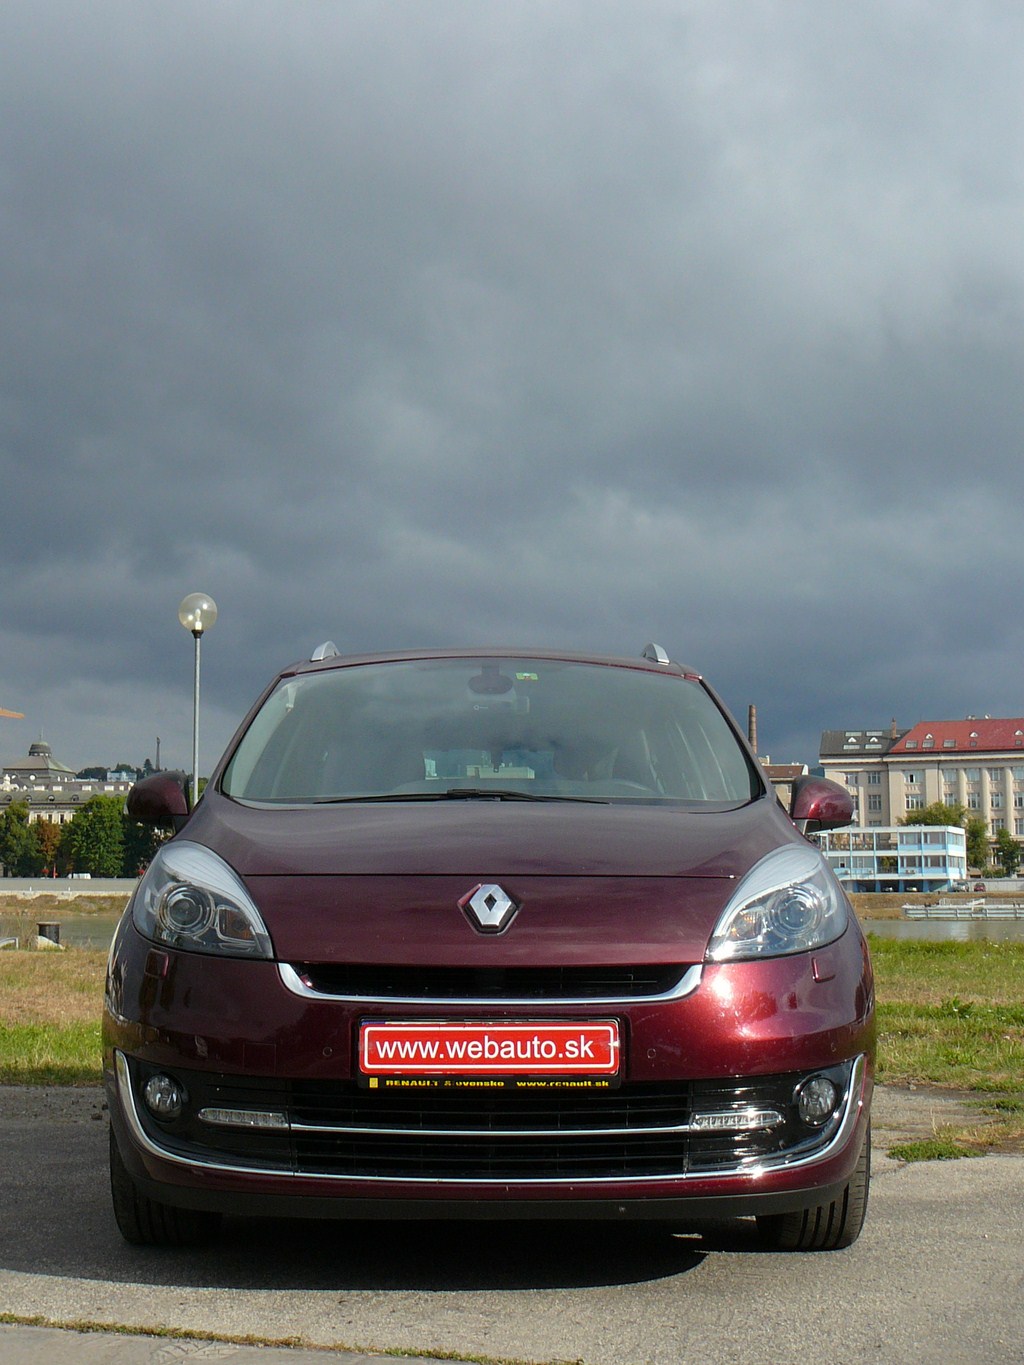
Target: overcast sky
(558, 323)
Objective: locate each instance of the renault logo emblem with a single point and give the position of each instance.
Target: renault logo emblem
(490, 909)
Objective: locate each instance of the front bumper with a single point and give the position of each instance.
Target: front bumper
(296, 1173)
(738, 1040)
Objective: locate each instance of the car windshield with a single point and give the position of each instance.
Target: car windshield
(490, 728)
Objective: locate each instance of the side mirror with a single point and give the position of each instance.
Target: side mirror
(159, 800)
(819, 803)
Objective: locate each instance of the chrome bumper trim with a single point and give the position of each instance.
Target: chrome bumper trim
(638, 1130)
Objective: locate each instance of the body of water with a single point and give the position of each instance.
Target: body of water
(87, 931)
(948, 930)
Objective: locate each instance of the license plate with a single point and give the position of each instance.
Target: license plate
(481, 1049)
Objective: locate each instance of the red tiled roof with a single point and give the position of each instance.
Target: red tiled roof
(967, 736)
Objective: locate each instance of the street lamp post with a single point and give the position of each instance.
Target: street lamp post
(197, 613)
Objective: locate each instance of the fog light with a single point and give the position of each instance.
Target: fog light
(164, 1097)
(816, 1101)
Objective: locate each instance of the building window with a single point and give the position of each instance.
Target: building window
(911, 778)
(972, 774)
(911, 743)
(874, 802)
(1018, 800)
(973, 801)
(915, 803)
(1018, 826)
(997, 825)
(995, 800)
(995, 774)
(949, 743)
(874, 779)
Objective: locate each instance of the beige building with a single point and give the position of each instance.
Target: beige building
(50, 790)
(977, 763)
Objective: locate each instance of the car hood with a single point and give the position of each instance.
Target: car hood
(383, 883)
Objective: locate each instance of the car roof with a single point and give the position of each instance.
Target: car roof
(327, 657)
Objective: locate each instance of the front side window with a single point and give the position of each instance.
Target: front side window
(511, 727)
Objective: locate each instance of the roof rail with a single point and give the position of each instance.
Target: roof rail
(656, 654)
(328, 650)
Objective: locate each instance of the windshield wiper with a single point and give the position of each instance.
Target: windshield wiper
(510, 794)
(459, 794)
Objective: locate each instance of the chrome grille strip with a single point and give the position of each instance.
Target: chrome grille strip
(547, 1134)
(685, 986)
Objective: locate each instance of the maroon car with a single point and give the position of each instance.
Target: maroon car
(489, 934)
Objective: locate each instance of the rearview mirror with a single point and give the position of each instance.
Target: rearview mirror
(159, 800)
(819, 803)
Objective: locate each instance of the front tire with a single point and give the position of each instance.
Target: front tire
(146, 1222)
(823, 1227)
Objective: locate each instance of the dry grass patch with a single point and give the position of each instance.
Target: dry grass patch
(51, 989)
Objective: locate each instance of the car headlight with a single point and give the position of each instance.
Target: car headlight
(789, 902)
(190, 899)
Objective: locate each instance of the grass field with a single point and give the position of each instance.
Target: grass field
(952, 1014)
(50, 1007)
(949, 1014)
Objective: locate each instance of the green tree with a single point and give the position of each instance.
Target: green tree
(94, 840)
(140, 844)
(1008, 851)
(937, 814)
(19, 851)
(977, 841)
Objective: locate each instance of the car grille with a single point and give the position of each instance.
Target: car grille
(341, 1130)
(490, 983)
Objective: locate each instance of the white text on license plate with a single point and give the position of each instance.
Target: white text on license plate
(499, 1049)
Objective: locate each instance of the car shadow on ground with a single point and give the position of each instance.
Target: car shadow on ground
(471, 1256)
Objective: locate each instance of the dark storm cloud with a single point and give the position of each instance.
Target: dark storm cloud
(560, 322)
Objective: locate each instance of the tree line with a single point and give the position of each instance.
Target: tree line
(99, 839)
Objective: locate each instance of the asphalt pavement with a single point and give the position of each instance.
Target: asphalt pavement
(937, 1277)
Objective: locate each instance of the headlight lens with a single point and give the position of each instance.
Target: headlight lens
(190, 899)
(789, 902)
